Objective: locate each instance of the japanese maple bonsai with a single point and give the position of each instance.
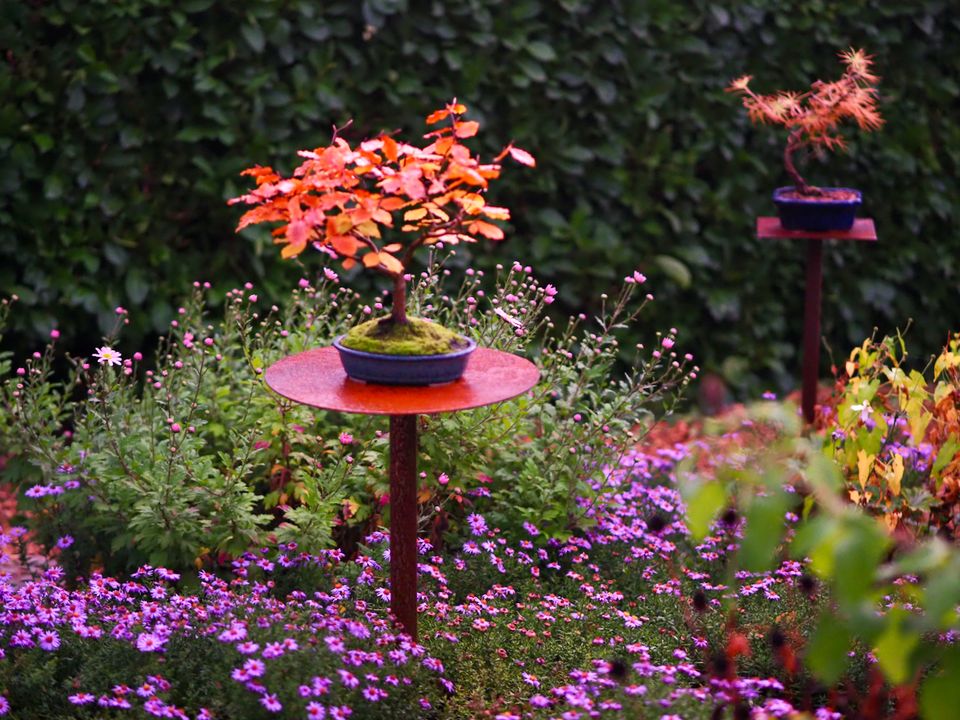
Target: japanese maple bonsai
(374, 206)
(813, 122)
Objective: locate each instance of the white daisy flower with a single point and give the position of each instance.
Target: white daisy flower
(106, 355)
(509, 318)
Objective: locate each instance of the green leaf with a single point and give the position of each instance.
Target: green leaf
(942, 594)
(254, 37)
(86, 53)
(940, 692)
(703, 504)
(533, 70)
(930, 557)
(53, 187)
(194, 6)
(541, 51)
(856, 555)
(720, 15)
(764, 532)
(43, 141)
(193, 133)
(674, 269)
(894, 646)
(115, 254)
(136, 286)
(947, 452)
(827, 649)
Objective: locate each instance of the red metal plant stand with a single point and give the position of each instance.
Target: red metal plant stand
(769, 227)
(316, 378)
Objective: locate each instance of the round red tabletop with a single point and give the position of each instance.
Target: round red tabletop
(316, 378)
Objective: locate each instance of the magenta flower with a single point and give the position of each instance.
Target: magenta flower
(273, 650)
(478, 525)
(539, 701)
(374, 694)
(48, 640)
(254, 667)
(236, 631)
(530, 679)
(348, 678)
(148, 642)
(271, 703)
(481, 625)
(433, 663)
(21, 638)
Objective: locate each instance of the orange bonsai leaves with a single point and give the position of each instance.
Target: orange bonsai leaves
(813, 118)
(376, 203)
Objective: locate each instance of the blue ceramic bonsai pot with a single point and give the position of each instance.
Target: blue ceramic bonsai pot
(817, 214)
(404, 369)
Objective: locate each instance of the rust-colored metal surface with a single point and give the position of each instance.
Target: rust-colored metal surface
(403, 521)
(863, 229)
(811, 328)
(769, 227)
(316, 378)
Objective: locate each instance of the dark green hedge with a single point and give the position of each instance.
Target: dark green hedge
(123, 126)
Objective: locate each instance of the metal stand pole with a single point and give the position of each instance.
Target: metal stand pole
(403, 521)
(811, 327)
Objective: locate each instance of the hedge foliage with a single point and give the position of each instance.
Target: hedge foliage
(123, 127)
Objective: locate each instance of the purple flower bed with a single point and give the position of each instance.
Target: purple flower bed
(627, 619)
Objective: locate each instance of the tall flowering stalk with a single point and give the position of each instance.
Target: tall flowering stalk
(343, 200)
(813, 118)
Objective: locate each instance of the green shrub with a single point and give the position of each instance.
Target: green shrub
(121, 465)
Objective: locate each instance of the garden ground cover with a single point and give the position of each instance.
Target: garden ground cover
(568, 569)
(627, 619)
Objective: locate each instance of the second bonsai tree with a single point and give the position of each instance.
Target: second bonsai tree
(375, 205)
(813, 122)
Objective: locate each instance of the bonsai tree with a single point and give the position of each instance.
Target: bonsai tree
(375, 204)
(813, 118)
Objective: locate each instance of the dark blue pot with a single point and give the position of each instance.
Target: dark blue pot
(404, 369)
(816, 214)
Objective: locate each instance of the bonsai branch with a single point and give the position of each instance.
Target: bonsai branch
(795, 142)
(398, 307)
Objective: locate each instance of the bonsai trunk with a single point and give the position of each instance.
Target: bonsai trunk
(794, 143)
(398, 309)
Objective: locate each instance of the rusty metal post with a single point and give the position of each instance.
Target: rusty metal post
(811, 327)
(316, 377)
(769, 227)
(403, 521)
